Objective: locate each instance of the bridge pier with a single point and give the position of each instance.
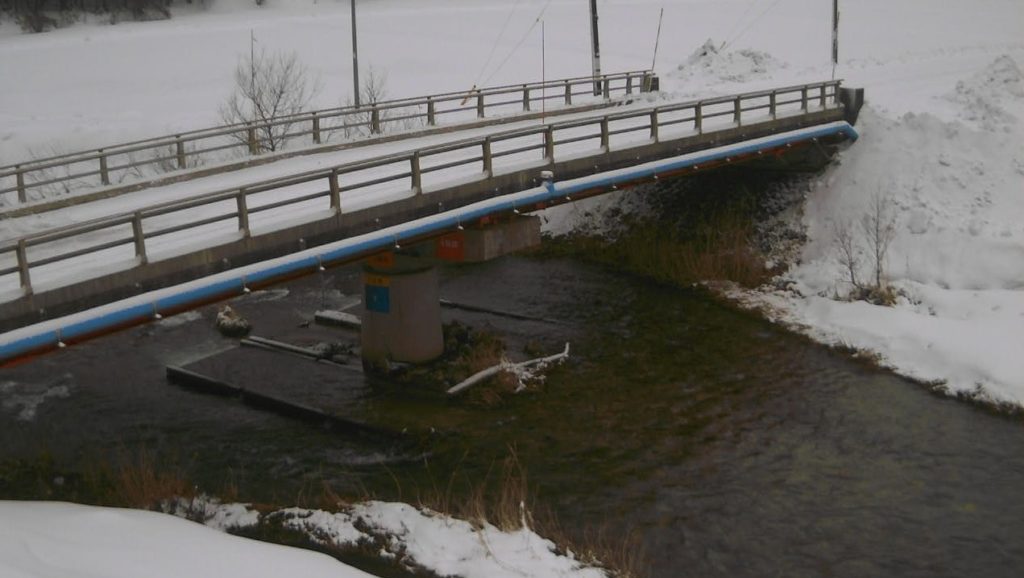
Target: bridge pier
(402, 318)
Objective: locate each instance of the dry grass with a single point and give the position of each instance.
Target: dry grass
(140, 480)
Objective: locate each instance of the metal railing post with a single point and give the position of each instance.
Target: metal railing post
(139, 238)
(104, 173)
(604, 134)
(19, 176)
(772, 109)
(698, 117)
(23, 275)
(607, 88)
(803, 98)
(316, 128)
(823, 104)
(629, 84)
(487, 158)
(254, 147)
(526, 98)
(375, 121)
(243, 213)
(335, 191)
(180, 151)
(549, 144)
(654, 125)
(737, 111)
(568, 93)
(417, 176)
(431, 120)
(480, 105)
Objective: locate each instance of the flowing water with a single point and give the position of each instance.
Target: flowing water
(727, 445)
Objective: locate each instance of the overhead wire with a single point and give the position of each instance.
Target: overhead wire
(752, 22)
(520, 43)
(736, 23)
(497, 39)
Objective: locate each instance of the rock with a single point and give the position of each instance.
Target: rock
(231, 324)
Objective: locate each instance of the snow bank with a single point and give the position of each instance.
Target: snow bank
(439, 543)
(68, 540)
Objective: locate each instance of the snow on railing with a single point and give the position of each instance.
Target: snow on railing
(117, 163)
(378, 180)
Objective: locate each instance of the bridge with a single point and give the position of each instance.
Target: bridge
(168, 244)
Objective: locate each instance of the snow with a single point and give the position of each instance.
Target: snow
(49, 539)
(941, 139)
(440, 543)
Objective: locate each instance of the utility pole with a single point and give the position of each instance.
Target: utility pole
(355, 58)
(596, 47)
(835, 36)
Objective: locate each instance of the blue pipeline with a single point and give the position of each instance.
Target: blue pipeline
(135, 313)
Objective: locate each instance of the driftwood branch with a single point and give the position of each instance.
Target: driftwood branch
(506, 365)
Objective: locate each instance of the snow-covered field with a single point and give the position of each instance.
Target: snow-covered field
(942, 139)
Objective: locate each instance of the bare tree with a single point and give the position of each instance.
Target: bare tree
(879, 226)
(268, 87)
(849, 257)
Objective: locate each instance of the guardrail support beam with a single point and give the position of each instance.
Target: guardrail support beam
(629, 84)
(549, 144)
(772, 107)
(335, 191)
(803, 99)
(431, 120)
(375, 121)
(737, 111)
(607, 88)
(698, 118)
(23, 274)
(604, 134)
(139, 238)
(316, 128)
(243, 214)
(654, 125)
(526, 98)
(104, 173)
(487, 158)
(568, 93)
(823, 104)
(179, 147)
(19, 176)
(417, 176)
(254, 148)
(480, 105)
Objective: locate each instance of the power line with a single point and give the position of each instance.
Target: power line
(520, 43)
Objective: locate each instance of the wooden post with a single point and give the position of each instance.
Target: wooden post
(139, 238)
(254, 147)
(607, 88)
(104, 173)
(19, 176)
(480, 105)
(654, 125)
(243, 213)
(22, 254)
(431, 120)
(488, 159)
(737, 111)
(822, 96)
(803, 98)
(417, 176)
(568, 93)
(629, 84)
(180, 151)
(526, 98)
(698, 117)
(604, 133)
(771, 104)
(375, 121)
(335, 191)
(316, 128)
(549, 144)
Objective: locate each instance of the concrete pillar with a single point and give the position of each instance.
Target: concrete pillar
(402, 318)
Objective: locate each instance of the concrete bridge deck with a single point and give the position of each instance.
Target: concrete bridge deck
(371, 205)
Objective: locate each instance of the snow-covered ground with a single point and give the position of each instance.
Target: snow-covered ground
(942, 139)
(69, 540)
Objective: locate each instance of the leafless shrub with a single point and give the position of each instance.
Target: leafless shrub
(878, 229)
(267, 87)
